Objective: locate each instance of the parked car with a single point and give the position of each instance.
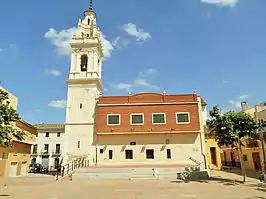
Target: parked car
(36, 168)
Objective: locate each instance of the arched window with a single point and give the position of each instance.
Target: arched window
(84, 63)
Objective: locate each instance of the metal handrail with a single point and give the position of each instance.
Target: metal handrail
(69, 168)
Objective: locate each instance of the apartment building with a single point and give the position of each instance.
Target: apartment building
(151, 128)
(15, 160)
(49, 145)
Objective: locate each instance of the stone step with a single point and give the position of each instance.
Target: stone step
(127, 173)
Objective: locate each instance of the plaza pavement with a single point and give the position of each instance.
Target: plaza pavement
(222, 185)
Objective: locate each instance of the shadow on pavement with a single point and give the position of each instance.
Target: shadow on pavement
(250, 174)
(4, 195)
(213, 179)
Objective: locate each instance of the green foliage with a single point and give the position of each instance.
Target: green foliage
(226, 127)
(8, 117)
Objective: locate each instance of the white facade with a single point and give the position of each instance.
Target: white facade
(84, 87)
(52, 135)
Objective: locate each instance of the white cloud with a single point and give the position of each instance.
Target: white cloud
(237, 102)
(132, 30)
(61, 39)
(54, 72)
(241, 97)
(143, 80)
(119, 42)
(124, 86)
(58, 104)
(107, 47)
(229, 3)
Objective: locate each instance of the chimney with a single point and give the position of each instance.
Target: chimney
(244, 106)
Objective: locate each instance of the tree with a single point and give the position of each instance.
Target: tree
(8, 117)
(230, 127)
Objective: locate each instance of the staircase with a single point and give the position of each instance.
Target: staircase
(126, 173)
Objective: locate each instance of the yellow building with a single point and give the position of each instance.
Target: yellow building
(15, 160)
(213, 154)
(252, 156)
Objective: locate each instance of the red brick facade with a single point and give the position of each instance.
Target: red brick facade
(148, 103)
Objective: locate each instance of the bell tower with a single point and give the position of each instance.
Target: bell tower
(84, 87)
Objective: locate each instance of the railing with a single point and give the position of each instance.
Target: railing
(45, 152)
(69, 168)
(56, 153)
(194, 160)
(34, 153)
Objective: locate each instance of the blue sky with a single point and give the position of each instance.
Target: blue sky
(217, 47)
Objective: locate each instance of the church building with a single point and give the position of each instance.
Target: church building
(139, 129)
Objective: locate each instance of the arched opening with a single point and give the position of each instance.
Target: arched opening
(84, 63)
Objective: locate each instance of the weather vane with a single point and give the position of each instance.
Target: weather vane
(90, 4)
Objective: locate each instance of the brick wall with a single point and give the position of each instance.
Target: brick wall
(147, 104)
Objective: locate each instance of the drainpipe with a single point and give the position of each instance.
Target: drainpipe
(96, 155)
(204, 156)
(202, 142)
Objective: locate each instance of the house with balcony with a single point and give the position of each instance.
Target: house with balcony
(151, 129)
(49, 145)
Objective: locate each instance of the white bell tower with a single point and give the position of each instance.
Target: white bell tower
(84, 87)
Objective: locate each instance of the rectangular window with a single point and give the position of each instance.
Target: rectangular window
(168, 152)
(113, 119)
(34, 151)
(158, 118)
(245, 157)
(129, 154)
(110, 154)
(136, 119)
(47, 134)
(57, 148)
(101, 151)
(58, 134)
(182, 118)
(46, 148)
(78, 144)
(80, 106)
(149, 154)
(36, 134)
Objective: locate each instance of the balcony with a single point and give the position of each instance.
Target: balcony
(45, 153)
(34, 153)
(56, 153)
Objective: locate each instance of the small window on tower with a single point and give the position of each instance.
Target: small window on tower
(84, 63)
(88, 21)
(80, 106)
(88, 35)
(98, 61)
